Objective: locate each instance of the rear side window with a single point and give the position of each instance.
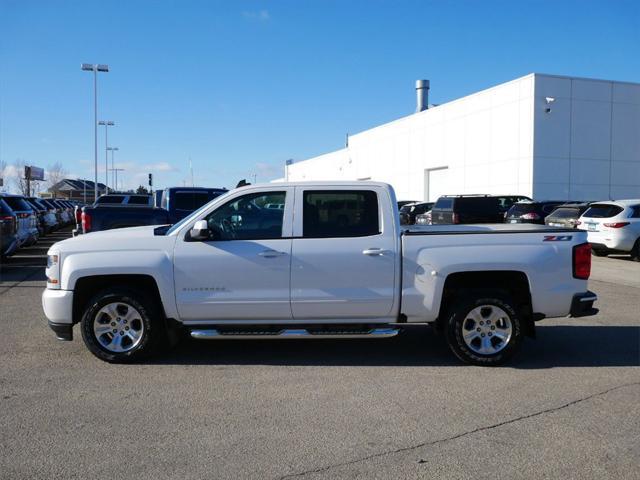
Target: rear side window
(345, 213)
(17, 204)
(566, 213)
(477, 205)
(138, 200)
(190, 200)
(111, 199)
(444, 203)
(635, 211)
(602, 210)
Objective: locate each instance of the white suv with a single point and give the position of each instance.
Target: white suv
(613, 227)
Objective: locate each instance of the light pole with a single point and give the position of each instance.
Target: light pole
(117, 170)
(95, 68)
(113, 149)
(107, 124)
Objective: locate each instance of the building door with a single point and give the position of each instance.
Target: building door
(436, 183)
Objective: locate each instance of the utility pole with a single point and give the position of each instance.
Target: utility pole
(107, 124)
(88, 67)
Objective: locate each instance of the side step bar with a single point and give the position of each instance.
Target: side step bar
(213, 334)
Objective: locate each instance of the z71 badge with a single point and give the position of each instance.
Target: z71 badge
(557, 238)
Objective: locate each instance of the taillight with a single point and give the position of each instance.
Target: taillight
(456, 218)
(86, 222)
(531, 216)
(78, 216)
(577, 222)
(23, 215)
(616, 225)
(582, 261)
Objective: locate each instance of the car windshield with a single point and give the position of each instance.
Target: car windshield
(176, 226)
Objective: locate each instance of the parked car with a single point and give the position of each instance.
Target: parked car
(531, 212)
(505, 202)
(410, 211)
(109, 216)
(181, 201)
(465, 209)
(613, 227)
(27, 219)
(566, 215)
(66, 215)
(306, 272)
(8, 230)
(55, 210)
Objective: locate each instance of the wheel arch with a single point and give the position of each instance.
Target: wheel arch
(512, 283)
(86, 287)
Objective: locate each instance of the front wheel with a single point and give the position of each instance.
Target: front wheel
(121, 325)
(484, 329)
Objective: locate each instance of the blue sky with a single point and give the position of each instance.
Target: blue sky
(242, 86)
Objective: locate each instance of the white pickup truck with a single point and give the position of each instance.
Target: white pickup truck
(331, 261)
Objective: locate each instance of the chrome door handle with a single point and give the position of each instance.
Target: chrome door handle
(372, 252)
(271, 254)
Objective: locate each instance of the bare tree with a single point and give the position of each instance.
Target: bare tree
(3, 167)
(18, 180)
(55, 174)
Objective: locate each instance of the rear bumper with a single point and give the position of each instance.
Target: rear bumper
(582, 305)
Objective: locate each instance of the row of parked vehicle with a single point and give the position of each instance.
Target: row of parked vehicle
(613, 226)
(165, 207)
(23, 220)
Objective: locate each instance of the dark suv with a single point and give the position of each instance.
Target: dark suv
(532, 212)
(464, 209)
(8, 230)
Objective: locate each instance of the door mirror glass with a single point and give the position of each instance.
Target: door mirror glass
(200, 230)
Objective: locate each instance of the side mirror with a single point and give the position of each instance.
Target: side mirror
(200, 231)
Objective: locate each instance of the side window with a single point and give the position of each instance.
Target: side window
(138, 200)
(346, 213)
(190, 200)
(636, 211)
(248, 218)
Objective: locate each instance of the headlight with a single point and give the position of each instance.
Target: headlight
(53, 271)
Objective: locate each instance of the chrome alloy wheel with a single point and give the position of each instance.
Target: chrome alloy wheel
(487, 329)
(118, 327)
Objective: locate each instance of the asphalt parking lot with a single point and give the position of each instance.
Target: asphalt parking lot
(567, 407)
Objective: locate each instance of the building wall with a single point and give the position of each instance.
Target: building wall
(502, 141)
(588, 146)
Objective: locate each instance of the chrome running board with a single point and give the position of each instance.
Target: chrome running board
(213, 334)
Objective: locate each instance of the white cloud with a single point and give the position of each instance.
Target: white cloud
(160, 167)
(259, 15)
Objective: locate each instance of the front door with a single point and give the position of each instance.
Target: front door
(243, 270)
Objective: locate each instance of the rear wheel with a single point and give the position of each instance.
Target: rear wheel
(635, 252)
(122, 325)
(484, 329)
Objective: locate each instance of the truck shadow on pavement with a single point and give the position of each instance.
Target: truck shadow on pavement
(555, 346)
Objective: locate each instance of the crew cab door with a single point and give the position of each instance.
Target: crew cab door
(243, 270)
(345, 251)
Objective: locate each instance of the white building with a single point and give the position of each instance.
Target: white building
(544, 136)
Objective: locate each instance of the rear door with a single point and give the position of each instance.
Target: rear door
(344, 254)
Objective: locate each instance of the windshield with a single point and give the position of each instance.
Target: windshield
(176, 226)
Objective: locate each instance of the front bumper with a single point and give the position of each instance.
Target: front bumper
(582, 305)
(58, 305)
(63, 331)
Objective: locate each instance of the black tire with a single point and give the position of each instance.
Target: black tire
(635, 252)
(458, 322)
(151, 323)
(599, 253)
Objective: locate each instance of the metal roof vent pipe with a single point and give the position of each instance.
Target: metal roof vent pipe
(422, 95)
